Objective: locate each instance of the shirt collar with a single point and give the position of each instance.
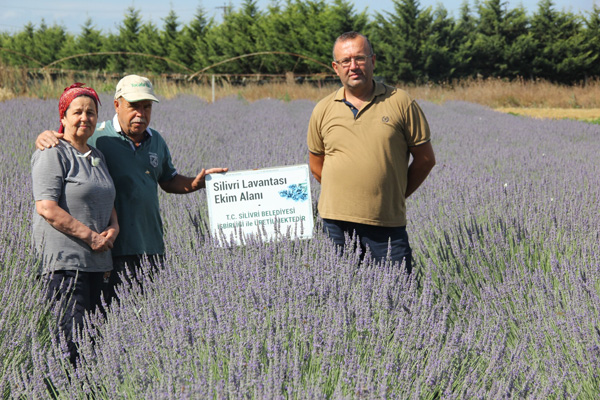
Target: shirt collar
(379, 90)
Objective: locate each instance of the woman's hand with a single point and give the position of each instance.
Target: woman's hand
(99, 242)
(112, 230)
(64, 222)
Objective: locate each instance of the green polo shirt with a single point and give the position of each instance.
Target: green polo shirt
(136, 172)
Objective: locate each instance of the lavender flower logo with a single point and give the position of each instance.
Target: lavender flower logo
(296, 192)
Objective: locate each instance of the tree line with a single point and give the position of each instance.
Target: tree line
(411, 43)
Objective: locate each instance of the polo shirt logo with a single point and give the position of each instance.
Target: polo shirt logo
(385, 119)
(153, 159)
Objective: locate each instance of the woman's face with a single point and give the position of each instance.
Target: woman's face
(80, 119)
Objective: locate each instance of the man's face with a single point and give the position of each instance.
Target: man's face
(134, 118)
(356, 75)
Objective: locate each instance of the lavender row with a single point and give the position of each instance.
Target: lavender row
(503, 302)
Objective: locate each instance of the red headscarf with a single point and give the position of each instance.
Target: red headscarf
(75, 90)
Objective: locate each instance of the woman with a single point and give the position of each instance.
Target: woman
(76, 222)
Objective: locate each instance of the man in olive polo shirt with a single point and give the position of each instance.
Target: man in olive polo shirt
(138, 160)
(360, 139)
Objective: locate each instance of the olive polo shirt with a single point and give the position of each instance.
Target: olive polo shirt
(365, 170)
(136, 171)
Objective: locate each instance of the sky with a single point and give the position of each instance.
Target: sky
(107, 14)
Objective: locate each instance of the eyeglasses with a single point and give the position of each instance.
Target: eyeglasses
(359, 60)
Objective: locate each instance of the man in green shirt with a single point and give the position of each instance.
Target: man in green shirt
(139, 161)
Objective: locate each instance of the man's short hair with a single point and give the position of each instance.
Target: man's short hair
(349, 36)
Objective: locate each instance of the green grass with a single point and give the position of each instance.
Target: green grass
(594, 121)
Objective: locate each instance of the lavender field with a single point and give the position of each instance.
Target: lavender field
(504, 301)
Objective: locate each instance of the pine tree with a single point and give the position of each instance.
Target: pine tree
(519, 45)
(90, 40)
(36, 47)
(592, 42)
(302, 22)
(561, 48)
(127, 40)
(150, 42)
(193, 41)
(237, 35)
(171, 43)
(464, 32)
(489, 42)
(341, 17)
(48, 42)
(22, 48)
(438, 47)
(411, 44)
(398, 39)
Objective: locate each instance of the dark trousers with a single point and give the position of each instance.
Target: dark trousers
(131, 268)
(76, 292)
(376, 238)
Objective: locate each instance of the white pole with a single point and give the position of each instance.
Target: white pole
(213, 88)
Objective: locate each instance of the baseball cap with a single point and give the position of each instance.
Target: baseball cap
(135, 88)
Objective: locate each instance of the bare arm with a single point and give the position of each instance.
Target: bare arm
(47, 139)
(315, 162)
(419, 168)
(187, 184)
(64, 222)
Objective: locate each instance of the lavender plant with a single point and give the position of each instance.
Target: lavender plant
(503, 302)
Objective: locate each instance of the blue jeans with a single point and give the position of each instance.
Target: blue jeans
(376, 238)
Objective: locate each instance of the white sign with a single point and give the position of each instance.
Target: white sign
(269, 203)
